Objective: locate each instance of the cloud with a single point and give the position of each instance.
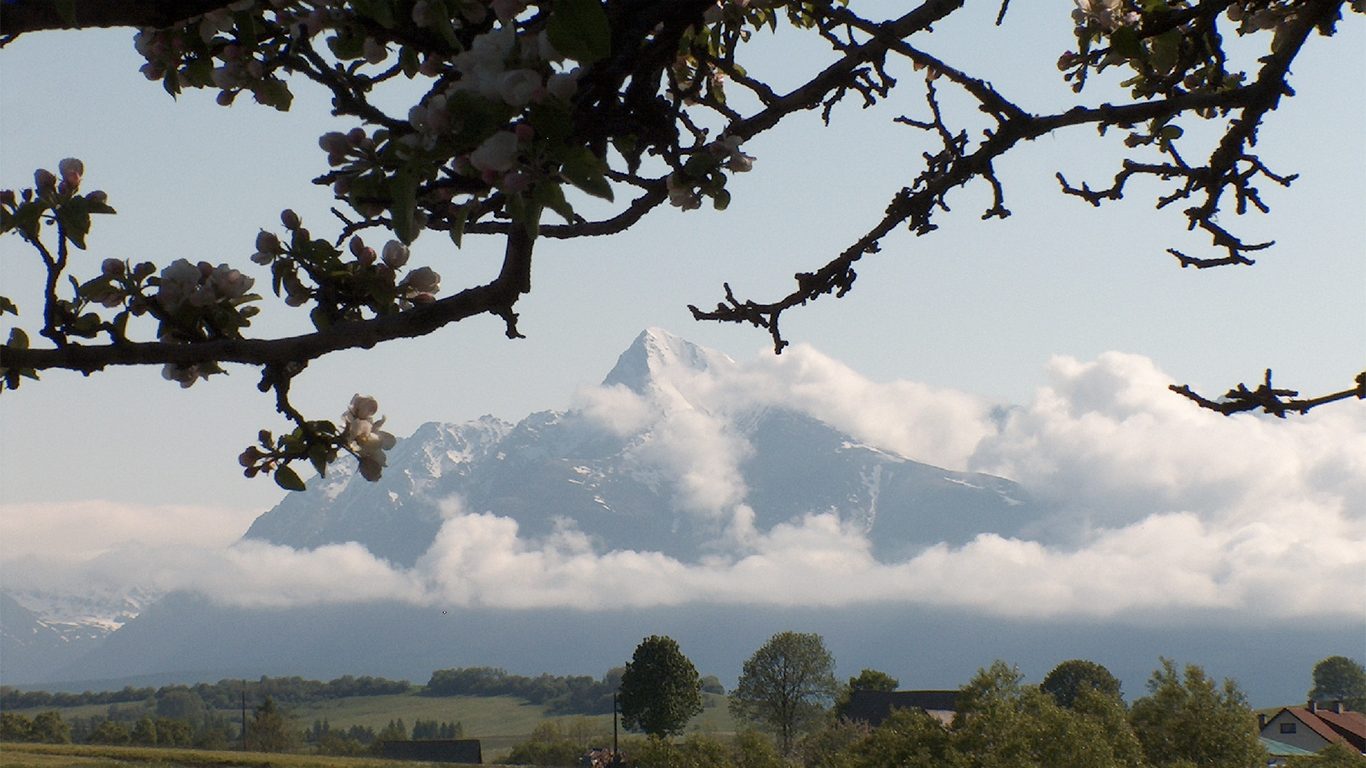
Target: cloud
(80, 530)
(1173, 509)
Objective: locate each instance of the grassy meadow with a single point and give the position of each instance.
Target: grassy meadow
(499, 722)
(85, 756)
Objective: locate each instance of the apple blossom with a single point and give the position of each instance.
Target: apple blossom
(496, 154)
(374, 51)
(229, 283)
(562, 85)
(516, 87)
(362, 436)
(395, 254)
(178, 280)
(187, 375)
(71, 171)
(423, 280)
(44, 180)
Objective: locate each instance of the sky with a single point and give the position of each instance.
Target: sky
(1074, 318)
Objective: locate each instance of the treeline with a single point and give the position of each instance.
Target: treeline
(572, 695)
(225, 694)
(211, 732)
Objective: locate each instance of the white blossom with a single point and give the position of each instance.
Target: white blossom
(562, 85)
(361, 434)
(497, 153)
(516, 87)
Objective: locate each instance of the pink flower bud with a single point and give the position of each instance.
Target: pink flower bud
(395, 254)
(71, 170)
(98, 197)
(44, 180)
(356, 137)
(267, 242)
(515, 182)
(112, 268)
(335, 143)
(226, 98)
(290, 219)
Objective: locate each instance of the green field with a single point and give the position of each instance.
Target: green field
(82, 756)
(499, 722)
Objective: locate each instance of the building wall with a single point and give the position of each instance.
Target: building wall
(1303, 736)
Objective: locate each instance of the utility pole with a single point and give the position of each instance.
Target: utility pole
(244, 715)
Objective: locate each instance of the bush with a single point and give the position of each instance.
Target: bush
(108, 732)
(560, 752)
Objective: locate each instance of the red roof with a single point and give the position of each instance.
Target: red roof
(1350, 725)
(1342, 727)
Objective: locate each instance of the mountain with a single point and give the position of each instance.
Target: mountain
(683, 454)
(553, 471)
(34, 648)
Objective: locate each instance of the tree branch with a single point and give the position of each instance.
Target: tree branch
(25, 16)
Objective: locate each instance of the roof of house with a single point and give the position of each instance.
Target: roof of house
(873, 707)
(1281, 749)
(1345, 727)
(1350, 725)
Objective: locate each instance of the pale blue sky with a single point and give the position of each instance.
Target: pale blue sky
(979, 307)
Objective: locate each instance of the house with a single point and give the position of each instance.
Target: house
(1314, 727)
(1277, 753)
(872, 707)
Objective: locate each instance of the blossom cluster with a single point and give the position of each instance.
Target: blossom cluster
(362, 436)
(200, 285)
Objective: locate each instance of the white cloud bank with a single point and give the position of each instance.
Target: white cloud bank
(1168, 508)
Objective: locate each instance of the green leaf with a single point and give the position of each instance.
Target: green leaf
(18, 339)
(403, 191)
(720, 200)
(1170, 132)
(8, 306)
(1165, 49)
(1126, 42)
(407, 59)
(288, 479)
(346, 44)
(457, 220)
(586, 171)
(74, 217)
(579, 29)
(550, 195)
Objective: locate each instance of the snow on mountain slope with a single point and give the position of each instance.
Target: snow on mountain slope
(663, 457)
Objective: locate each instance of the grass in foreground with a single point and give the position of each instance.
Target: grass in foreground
(88, 756)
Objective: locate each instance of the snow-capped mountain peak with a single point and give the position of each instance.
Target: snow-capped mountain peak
(655, 353)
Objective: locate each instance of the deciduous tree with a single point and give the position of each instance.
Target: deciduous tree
(867, 680)
(1188, 719)
(528, 108)
(1067, 680)
(660, 689)
(1338, 678)
(786, 686)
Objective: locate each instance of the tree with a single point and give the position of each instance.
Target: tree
(1067, 680)
(526, 108)
(1000, 721)
(1335, 755)
(1188, 719)
(867, 680)
(269, 729)
(786, 686)
(660, 689)
(1338, 678)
